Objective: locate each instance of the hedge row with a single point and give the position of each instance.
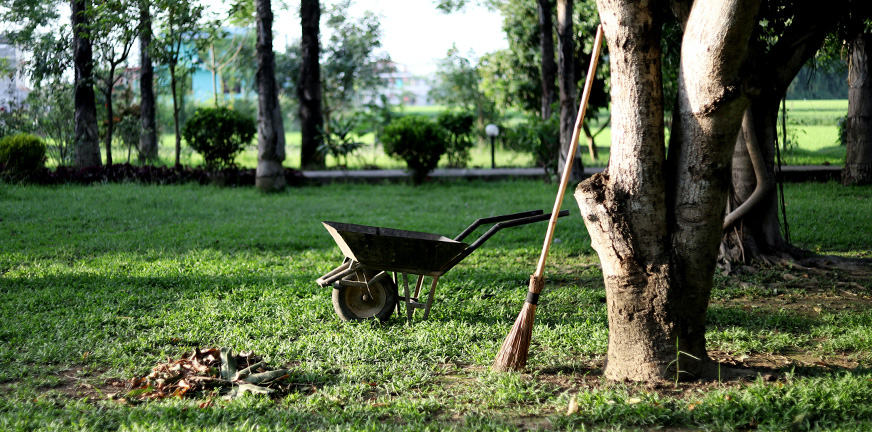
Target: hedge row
(124, 173)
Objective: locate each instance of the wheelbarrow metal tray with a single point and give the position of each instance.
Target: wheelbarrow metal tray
(395, 250)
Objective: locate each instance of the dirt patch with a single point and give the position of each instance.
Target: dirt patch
(82, 382)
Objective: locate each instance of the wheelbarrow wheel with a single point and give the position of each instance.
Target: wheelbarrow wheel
(358, 304)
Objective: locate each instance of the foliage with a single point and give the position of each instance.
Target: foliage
(842, 123)
(340, 139)
(49, 107)
(819, 83)
(460, 129)
(22, 154)
(219, 134)
(14, 118)
(418, 141)
(457, 85)
(175, 46)
(128, 127)
(538, 137)
(352, 64)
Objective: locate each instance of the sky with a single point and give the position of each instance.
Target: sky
(415, 34)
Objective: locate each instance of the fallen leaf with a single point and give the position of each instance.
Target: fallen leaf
(573, 406)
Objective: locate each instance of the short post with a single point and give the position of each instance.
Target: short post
(492, 131)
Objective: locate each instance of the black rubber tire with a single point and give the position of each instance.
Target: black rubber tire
(354, 304)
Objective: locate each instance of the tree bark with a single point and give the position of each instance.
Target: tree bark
(87, 139)
(270, 128)
(858, 160)
(549, 68)
(566, 75)
(309, 86)
(656, 225)
(147, 113)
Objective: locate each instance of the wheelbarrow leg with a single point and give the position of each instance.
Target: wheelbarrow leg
(430, 296)
(418, 284)
(408, 299)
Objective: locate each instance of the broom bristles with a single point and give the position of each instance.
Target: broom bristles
(513, 352)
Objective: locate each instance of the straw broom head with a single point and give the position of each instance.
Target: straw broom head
(513, 352)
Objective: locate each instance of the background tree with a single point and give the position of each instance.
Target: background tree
(793, 34)
(568, 80)
(114, 28)
(174, 47)
(270, 128)
(352, 63)
(148, 142)
(546, 46)
(309, 86)
(457, 84)
(858, 125)
(87, 136)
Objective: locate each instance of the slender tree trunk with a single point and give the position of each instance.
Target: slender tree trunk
(309, 86)
(147, 114)
(656, 225)
(858, 161)
(566, 74)
(87, 139)
(270, 129)
(549, 68)
(110, 120)
(176, 110)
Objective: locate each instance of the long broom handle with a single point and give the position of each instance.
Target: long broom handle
(570, 156)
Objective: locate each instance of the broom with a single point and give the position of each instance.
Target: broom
(513, 353)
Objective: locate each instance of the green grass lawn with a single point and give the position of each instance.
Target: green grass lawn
(99, 284)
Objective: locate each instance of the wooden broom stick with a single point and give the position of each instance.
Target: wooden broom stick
(513, 353)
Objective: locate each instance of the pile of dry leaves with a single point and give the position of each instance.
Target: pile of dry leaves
(208, 370)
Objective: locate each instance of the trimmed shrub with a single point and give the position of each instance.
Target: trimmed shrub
(219, 134)
(459, 127)
(540, 138)
(22, 154)
(418, 141)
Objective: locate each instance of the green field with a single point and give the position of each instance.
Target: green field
(812, 125)
(100, 284)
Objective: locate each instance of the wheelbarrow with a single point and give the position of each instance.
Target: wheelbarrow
(363, 287)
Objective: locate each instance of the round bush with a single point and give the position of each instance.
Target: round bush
(418, 141)
(459, 126)
(22, 153)
(219, 134)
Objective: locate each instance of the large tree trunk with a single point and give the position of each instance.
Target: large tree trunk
(87, 139)
(858, 161)
(549, 68)
(309, 86)
(147, 113)
(566, 74)
(270, 129)
(655, 225)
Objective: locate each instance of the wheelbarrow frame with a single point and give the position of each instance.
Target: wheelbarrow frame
(455, 250)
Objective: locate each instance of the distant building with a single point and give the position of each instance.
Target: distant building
(13, 90)
(400, 86)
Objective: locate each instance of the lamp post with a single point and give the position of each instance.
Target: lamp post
(492, 131)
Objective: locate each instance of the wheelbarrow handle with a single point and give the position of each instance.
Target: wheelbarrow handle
(504, 224)
(494, 219)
